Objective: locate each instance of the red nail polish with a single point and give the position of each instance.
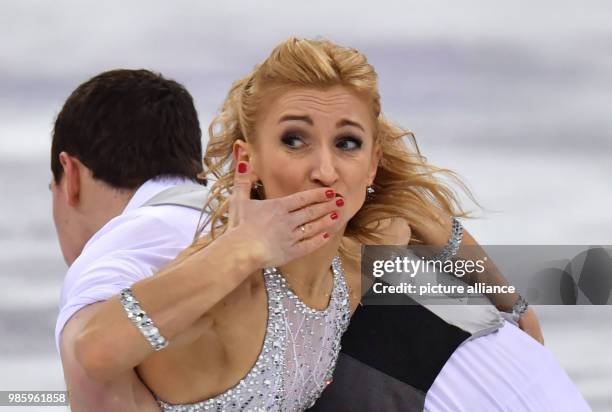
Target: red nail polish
(339, 202)
(242, 167)
(325, 235)
(329, 194)
(334, 215)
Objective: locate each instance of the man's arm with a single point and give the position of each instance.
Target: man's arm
(124, 393)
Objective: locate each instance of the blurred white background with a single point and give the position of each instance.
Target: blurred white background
(515, 97)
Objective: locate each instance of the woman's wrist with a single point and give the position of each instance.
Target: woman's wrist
(519, 308)
(247, 253)
(504, 302)
(513, 304)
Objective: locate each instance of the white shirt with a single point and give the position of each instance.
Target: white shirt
(130, 247)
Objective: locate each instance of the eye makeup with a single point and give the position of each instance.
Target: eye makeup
(291, 136)
(357, 142)
(288, 137)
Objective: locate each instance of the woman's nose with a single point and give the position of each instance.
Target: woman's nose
(324, 168)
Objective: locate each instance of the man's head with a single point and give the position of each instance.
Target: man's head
(115, 132)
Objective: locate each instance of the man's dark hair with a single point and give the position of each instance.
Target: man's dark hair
(128, 126)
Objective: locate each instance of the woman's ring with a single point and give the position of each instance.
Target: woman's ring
(303, 229)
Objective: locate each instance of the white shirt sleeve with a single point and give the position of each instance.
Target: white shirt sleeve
(126, 250)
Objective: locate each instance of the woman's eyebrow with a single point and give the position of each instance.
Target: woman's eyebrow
(307, 119)
(290, 117)
(347, 122)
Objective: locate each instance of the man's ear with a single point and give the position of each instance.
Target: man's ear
(71, 179)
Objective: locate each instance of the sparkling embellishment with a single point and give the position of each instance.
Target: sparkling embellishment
(141, 320)
(519, 307)
(451, 248)
(299, 353)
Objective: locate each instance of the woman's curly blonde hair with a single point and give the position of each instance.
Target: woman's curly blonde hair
(405, 185)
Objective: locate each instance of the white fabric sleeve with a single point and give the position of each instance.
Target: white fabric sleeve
(127, 253)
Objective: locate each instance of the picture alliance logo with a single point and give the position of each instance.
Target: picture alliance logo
(410, 266)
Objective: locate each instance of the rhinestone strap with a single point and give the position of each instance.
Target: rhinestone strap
(453, 244)
(142, 321)
(519, 307)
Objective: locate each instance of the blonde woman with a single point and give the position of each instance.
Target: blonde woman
(252, 315)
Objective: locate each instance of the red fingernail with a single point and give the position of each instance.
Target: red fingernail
(329, 194)
(334, 215)
(242, 167)
(339, 202)
(325, 235)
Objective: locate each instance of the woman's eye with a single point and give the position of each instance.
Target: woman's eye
(291, 139)
(350, 143)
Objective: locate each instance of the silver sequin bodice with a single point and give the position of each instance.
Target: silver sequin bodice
(298, 356)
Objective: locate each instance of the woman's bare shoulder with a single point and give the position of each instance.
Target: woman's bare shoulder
(397, 231)
(394, 230)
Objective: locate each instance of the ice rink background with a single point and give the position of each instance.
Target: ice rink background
(516, 98)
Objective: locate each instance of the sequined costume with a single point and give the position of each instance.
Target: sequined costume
(299, 353)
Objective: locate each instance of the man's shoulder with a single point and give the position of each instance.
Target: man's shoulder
(169, 217)
(160, 221)
(130, 247)
(143, 228)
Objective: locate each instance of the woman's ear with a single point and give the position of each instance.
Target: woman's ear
(376, 157)
(242, 152)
